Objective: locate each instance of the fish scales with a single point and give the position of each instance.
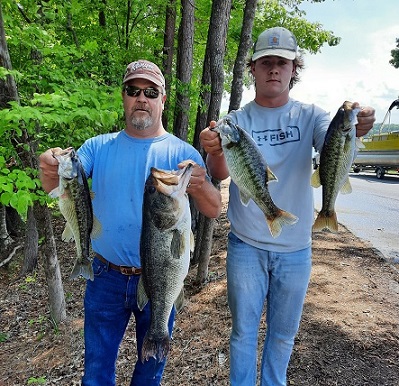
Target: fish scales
(76, 207)
(250, 172)
(336, 159)
(165, 254)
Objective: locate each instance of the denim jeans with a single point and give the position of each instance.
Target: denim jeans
(109, 303)
(253, 277)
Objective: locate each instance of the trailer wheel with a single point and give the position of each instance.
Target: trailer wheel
(380, 172)
(356, 169)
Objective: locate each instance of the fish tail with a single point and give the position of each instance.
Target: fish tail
(283, 218)
(326, 221)
(153, 348)
(83, 268)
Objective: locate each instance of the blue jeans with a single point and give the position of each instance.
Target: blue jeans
(253, 277)
(109, 303)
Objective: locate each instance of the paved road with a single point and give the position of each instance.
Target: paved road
(371, 211)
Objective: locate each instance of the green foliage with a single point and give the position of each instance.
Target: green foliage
(67, 55)
(310, 36)
(37, 381)
(395, 55)
(68, 59)
(386, 129)
(18, 187)
(3, 337)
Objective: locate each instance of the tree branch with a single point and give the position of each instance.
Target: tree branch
(11, 255)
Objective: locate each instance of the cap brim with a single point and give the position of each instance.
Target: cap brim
(143, 76)
(290, 55)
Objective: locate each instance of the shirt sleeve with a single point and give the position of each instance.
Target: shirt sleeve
(321, 123)
(86, 156)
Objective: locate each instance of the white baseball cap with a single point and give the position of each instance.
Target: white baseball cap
(276, 41)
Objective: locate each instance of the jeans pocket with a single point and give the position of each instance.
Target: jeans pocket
(98, 267)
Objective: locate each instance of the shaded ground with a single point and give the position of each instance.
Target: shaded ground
(349, 333)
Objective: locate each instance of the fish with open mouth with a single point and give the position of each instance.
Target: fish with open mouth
(165, 244)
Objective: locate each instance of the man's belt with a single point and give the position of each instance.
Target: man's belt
(123, 269)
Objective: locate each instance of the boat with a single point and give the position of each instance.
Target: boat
(381, 151)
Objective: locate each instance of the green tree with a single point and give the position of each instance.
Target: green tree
(395, 55)
(67, 64)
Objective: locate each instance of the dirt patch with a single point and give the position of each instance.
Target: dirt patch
(349, 333)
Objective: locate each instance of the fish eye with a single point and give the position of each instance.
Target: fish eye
(151, 189)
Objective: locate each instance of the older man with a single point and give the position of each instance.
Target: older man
(119, 164)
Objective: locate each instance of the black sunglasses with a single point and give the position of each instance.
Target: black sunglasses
(149, 92)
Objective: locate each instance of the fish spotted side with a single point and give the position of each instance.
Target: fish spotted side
(336, 159)
(74, 200)
(250, 172)
(165, 245)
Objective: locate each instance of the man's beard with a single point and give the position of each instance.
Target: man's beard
(142, 123)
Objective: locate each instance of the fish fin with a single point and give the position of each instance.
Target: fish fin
(67, 234)
(326, 221)
(80, 178)
(142, 298)
(347, 187)
(177, 245)
(179, 302)
(84, 269)
(244, 198)
(270, 175)
(283, 218)
(192, 241)
(315, 179)
(97, 228)
(157, 349)
(359, 143)
(55, 193)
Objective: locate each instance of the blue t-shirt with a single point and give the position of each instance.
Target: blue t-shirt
(119, 166)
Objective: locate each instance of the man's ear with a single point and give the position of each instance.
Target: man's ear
(252, 68)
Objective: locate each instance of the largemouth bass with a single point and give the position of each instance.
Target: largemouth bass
(336, 159)
(76, 207)
(164, 253)
(250, 172)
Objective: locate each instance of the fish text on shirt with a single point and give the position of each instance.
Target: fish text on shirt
(276, 137)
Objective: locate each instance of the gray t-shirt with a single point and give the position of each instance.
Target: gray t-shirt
(285, 136)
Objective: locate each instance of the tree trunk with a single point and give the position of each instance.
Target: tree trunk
(7, 86)
(184, 69)
(167, 62)
(216, 44)
(199, 223)
(8, 92)
(202, 255)
(127, 24)
(51, 265)
(203, 106)
(31, 244)
(14, 222)
(70, 29)
(213, 65)
(5, 238)
(243, 49)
